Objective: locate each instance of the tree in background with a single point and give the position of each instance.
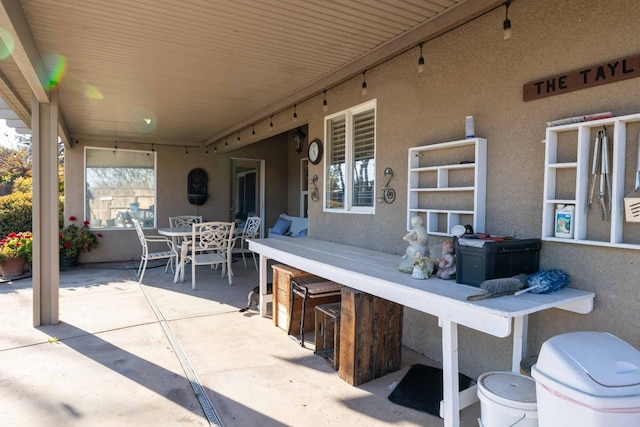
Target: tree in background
(16, 188)
(14, 163)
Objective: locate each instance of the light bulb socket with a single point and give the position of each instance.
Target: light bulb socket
(506, 26)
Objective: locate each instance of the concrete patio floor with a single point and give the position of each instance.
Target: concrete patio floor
(118, 358)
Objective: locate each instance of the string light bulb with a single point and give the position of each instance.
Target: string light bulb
(186, 150)
(421, 60)
(253, 131)
(271, 125)
(506, 25)
(295, 113)
(215, 148)
(115, 147)
(364, 82)
(206, 150)
(226, 141)
(238, 137)
(325, 106)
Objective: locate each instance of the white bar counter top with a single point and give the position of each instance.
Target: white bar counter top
(377, 273)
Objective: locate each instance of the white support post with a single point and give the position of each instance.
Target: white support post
(45, 266)
(264, 296)
(451, 388)
(520, 325)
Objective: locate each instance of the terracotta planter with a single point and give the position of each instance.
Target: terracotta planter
(67, 262)
(13, 267)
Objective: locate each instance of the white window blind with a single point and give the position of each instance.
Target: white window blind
(363, 152)
(337, 156)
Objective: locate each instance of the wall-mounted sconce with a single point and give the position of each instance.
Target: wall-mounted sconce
(315, 194)
(388, 194)
(298, 139)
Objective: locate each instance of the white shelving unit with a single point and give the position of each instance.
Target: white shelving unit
(446, 185)
(568, 157)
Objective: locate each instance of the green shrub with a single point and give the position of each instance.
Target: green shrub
(15, 213)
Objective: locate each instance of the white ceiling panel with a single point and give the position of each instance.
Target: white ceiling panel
(199, 68)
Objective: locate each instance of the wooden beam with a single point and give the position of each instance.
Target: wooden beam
(24, 52)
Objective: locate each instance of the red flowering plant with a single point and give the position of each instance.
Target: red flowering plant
(15, 245)
(75, 239)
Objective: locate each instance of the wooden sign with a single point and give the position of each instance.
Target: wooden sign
(609, 72)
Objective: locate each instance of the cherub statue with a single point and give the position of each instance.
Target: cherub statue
(418, 242)
(447, 264)
(422, 267)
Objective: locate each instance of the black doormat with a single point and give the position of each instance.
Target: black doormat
(421, 389)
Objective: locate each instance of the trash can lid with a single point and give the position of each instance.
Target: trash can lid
(510, 386)
(595, 362)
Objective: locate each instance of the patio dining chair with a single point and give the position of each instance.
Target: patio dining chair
(170, 254)
(183, 221)
(250, 231)
(211, 244)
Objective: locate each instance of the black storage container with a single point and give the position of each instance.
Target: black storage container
(478, 260)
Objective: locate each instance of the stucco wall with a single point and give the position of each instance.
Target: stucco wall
(173, 166)
(469, 71)
(473, 71)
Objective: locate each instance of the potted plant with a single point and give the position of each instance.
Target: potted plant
(16, 250)
(74, 240)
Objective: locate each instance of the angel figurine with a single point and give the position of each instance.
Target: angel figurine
(418, 242)
(422, 267)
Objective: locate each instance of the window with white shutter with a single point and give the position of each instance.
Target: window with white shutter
(350, 160)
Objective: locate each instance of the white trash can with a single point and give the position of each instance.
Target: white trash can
(588, 379)
(507, 399)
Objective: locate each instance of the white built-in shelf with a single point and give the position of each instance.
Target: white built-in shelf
(446, 185)
(567, 175)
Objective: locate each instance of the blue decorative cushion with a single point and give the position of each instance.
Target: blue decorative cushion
(301, 233)
(281, 226)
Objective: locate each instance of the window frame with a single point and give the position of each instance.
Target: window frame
(104, 225)
(349, 159)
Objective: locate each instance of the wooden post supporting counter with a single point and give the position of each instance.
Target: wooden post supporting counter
(370, 337)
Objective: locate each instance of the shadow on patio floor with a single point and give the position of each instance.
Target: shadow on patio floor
(115, 359)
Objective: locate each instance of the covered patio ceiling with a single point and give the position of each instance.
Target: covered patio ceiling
(191, 72)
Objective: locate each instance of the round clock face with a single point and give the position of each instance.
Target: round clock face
(315, 151)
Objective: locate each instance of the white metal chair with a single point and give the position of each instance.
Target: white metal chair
(183, 221)
(250, 231)
(171, 254)
(211, 244)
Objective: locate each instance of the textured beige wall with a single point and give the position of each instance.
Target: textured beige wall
(469, 71)
(173, 166)
(473, 71)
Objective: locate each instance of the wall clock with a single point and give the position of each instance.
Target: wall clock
(314, 152)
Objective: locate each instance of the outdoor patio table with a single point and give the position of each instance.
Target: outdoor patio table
(377, 273)
(176, 232)
(181, 232)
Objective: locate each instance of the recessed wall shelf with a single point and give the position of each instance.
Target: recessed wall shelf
(446, 185)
